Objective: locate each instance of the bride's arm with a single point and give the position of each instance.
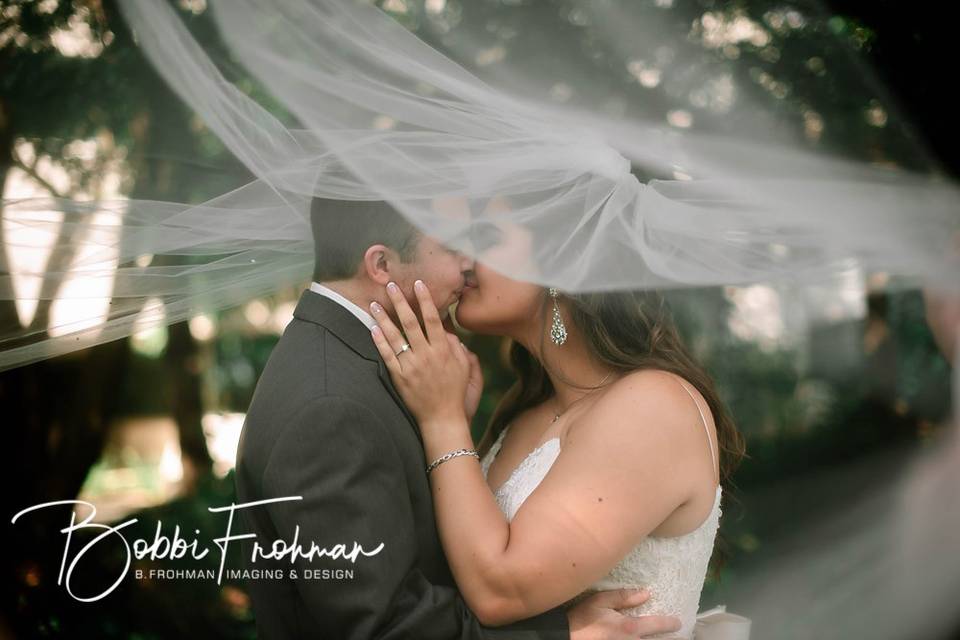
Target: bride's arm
(613, 483)
(615, 480)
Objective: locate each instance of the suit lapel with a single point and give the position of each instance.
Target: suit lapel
(323, 311)
(388, 383)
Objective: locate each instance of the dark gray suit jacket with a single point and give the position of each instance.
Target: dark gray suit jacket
(327, 424)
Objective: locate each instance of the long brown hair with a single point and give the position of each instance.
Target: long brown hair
(626, 331)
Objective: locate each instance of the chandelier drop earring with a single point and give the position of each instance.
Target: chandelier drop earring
(558, 332)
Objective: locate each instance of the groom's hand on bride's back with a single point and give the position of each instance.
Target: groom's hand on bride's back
(598, 618)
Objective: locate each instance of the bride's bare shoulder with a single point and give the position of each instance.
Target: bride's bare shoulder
(656, 386)
(650, 397)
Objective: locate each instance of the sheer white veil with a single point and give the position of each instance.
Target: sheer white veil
(603, 202)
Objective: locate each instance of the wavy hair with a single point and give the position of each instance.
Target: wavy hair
(626, 331)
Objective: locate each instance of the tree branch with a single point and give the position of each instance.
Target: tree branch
(30, 171)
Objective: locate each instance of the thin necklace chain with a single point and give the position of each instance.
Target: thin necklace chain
(557, 416)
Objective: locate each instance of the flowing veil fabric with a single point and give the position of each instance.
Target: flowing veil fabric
(379, 114)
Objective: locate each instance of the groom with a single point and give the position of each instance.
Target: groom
(326, 424)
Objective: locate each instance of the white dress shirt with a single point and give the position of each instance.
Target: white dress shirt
(356, 310)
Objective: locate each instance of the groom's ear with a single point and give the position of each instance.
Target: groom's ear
(378, 262)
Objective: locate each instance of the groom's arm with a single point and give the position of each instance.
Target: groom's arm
(340, 458)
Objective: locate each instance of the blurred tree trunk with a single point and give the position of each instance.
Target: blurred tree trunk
(167, 134)
(184, 371)
(9, 320)
(57, 412)
(61, 408)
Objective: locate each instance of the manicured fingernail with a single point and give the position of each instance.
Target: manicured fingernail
(419, 285)
(392, 287)
(375, 307)
(375, 330)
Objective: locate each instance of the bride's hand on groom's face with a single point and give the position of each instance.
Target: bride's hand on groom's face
(437, 376)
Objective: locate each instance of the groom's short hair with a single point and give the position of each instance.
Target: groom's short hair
(343, 230)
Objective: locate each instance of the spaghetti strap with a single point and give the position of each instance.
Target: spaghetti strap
(713, 455)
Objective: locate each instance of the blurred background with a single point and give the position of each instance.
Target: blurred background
(837, 388)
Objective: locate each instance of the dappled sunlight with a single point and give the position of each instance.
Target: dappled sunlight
(267, 319)
(37, 241)
(222, 432)
(756, 316)
(78, 39)
(83, 300)
(142, 465)
(149, 335)
(203, 328)
(28, 248)
(718, 29)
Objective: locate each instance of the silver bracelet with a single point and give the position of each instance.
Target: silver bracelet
(453, 454)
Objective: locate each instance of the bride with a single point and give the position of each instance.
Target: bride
(602, 466)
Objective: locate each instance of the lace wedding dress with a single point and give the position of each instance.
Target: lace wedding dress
(672, 568)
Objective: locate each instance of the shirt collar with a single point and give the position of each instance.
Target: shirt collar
(353, 308)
